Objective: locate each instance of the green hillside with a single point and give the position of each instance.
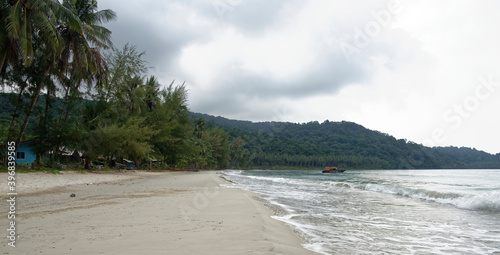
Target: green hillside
(282, 145)
(343, 144)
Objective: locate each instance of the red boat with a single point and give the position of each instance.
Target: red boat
(333, 170)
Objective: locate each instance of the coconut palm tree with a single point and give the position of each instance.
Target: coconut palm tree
(7, 46)
(81, 58)
(31, 43)
(29, 23)
(152, 93)
(44, 39)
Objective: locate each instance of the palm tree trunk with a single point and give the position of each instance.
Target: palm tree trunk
(28, 115)
(70, 101)
(47, 104)
(68, 109)
(34, 100)
(2, 61)
(62, 108)
(14, 115)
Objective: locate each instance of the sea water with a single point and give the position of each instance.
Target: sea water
(385, 211)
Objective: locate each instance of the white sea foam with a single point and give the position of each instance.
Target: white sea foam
(489, 201)
(381, 212)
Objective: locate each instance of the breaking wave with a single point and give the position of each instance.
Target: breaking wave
(467, 198)
(366, 210)
(487, 201)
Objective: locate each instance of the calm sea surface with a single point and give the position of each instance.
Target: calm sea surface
(385, 212)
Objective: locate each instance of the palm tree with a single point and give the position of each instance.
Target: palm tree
(32, 42)
(152, 93)
(29, 23)
(42, 39)
(7, 46)
(81, 58)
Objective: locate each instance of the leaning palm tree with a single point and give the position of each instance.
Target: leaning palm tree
(29, 23)
(7, 46)
(81, 53)
(32, 43)
(81, 58)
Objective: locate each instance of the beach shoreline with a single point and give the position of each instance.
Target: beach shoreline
(136, 212)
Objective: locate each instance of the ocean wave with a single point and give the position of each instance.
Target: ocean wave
(409, 192)
(364, 212)
(273, 179)
(486, 201)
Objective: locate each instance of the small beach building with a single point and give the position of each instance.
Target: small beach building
(25, 153)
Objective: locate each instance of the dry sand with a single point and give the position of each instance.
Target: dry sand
(140, 213)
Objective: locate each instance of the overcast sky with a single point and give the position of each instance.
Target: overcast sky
(426, 71)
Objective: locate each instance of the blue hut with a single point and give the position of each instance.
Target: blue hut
(25, 153)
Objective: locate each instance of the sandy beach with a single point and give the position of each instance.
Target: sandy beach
(140, 213)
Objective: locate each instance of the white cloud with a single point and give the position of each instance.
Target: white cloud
(283, 60)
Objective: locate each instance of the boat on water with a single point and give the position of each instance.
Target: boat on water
(333, 170)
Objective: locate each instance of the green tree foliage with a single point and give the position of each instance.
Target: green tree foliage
(171, 117)
(210, 148)
(50, 55)
(239, 155)
(343, 144)
(136, 118)
(128, 141)
(219, 142)
(49, 45)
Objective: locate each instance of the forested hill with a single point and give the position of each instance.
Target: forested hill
(241, 144)
(343, 144)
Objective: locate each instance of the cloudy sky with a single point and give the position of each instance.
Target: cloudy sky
(427, 71)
